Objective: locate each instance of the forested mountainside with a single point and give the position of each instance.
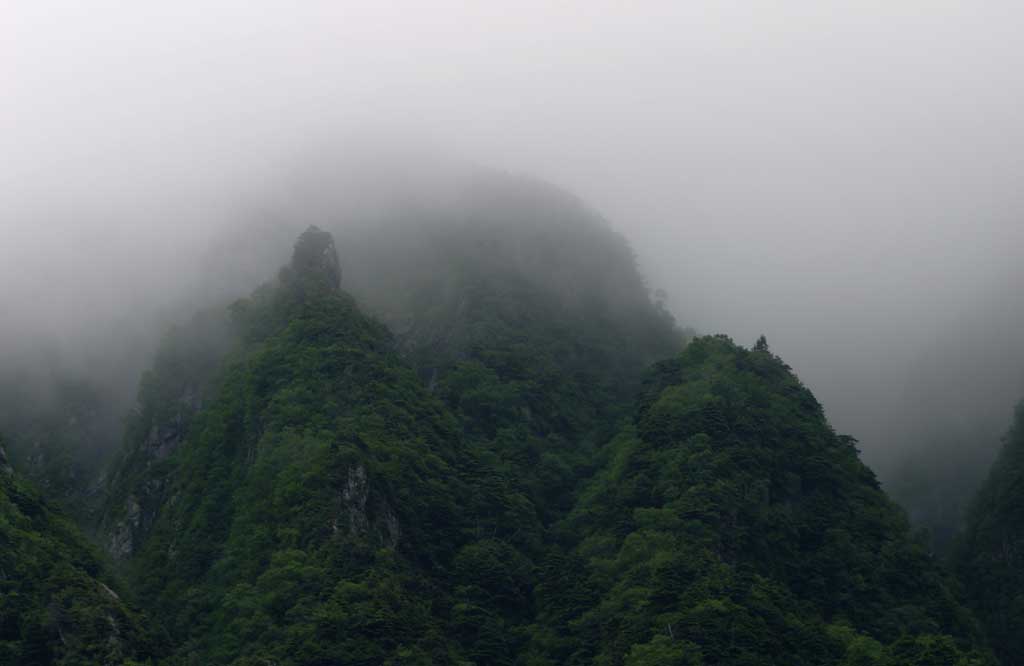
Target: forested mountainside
(58, 603)
(528, 316)
(477, 440)
(508, 283)
(731, 525)
(990, 554)
(517, 306)
(322, 499)
(316, 502)
(440, 496)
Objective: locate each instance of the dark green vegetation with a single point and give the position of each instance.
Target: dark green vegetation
(57, 605)
(731, 525)
(319, 454)
(497, 467)
(309, 509)
(990, 555)
(535, 330)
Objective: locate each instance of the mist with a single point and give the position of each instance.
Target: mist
(843, 178)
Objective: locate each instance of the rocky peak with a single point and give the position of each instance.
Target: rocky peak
(315, 259)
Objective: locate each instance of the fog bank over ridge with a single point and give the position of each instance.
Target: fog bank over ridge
(843, 179)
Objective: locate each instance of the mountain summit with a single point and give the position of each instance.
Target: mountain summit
(488, 475)
(314, 266)
(316, 257)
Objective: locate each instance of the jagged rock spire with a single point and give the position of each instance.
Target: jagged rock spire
(315, 259)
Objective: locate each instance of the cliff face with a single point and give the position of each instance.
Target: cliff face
(170, 395)
(184, 375)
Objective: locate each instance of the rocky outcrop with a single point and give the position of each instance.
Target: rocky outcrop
(163, 439)
(380, 521)
(127, 521)
(122, 535)
(314, 266)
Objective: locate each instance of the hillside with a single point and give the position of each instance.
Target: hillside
(503, 286)
(454, 440)
(57, 600)
(527, 314)
(731, 525)
(990, 553)
(314, 503)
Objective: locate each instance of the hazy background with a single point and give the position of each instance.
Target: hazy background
(844, 177)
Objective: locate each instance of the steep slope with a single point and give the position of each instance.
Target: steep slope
(57, 605)
(731, 525)
(526, 313)
(476, 267)
(990, 555)
(318, 503)
(170, 395)
(517, 305)
(501, 286)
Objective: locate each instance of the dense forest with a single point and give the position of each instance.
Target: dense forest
(58, 603)
(476, 439)
(989, 556)
(731, 525)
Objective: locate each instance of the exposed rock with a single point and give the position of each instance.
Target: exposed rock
(382, 522)
(354, 496)
(315, 259)
(163, 439)
(122, 537)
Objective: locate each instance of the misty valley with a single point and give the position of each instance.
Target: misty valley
(460, 430)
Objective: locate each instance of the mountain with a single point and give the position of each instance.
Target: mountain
(989, 555)
(308, 507)
(518, 328)
(526, 313)
(449, 435)
(498, 273)
(58, 603)
(731, 525)
(295, 436)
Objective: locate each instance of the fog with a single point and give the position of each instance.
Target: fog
(842, 177)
